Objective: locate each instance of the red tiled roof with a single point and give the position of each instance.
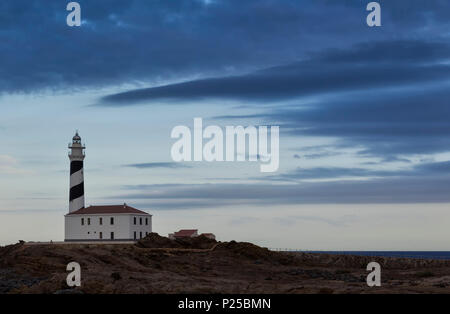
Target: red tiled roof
(108, 209)
(185, 232)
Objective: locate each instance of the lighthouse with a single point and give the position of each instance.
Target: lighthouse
(76, 156)
(99, 223)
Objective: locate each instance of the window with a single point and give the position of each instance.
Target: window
(112, 220)
(146, 221)
(140, 220)
(100, 221)
(146, 233)
(134, 220)
(101, 235)
(82, 221)
(135, 233)
(89, 221)
(140, 235)
(112, 235)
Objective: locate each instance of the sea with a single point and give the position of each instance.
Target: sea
(444, 255)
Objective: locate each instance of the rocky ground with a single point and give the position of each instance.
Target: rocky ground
(160, 265)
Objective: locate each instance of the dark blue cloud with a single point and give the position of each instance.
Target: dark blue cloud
(386, 124)
(125, 42)
(364, 67)
(382, 122)
(422, 170)
(128, 41)
(389, 97)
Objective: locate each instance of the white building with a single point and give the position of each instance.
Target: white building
(99, 223)
(115, 222)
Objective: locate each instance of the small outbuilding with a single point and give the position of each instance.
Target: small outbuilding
(189, 233)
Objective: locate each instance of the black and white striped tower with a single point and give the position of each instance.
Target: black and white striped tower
(76, 156)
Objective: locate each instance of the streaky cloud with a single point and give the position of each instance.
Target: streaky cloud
(170, 165)
(360, 68)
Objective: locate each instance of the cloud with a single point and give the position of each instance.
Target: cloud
(331, 173)
(435, 168)
(427, 169)
(154, 42)
(125, 42)
(9, 165)
(243, 220)
(383, 123)
(364, 67)
(388, 99)
(414, 189)
(170, 165)
(335, 222)
(387, 52)
(426, 182)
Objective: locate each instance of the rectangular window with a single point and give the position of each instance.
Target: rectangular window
(140, 235)
(112, 235)
(135, 235)
(101, 235)
(112, 220)
(146, 221)
(140, 220)
(146, 233)
(89, 221)
(134, 220)
(82, 221)
(100, 221)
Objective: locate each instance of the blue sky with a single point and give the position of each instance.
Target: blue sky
(363, 115)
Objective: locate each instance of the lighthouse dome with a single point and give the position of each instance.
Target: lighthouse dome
(76, 137)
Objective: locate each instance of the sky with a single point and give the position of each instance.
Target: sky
(363, 115)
